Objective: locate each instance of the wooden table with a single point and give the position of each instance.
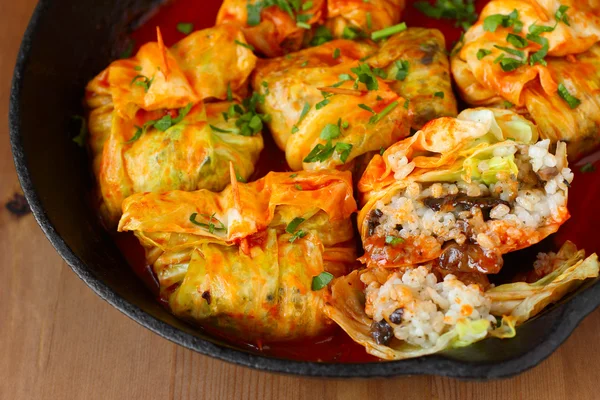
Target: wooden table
(58, 340)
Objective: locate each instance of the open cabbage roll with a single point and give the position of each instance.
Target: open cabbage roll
(463, 191)
(540, 58)
(149, 129)
(245, 260)
(328, 107)
(399, 314)
(277, 28)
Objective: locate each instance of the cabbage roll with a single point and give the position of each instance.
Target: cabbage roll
(540, 58)
(463, 191)
(273, 29)
(150, 130)
(399, 314)
(245, 260)
(328, 108)
(355, 17)
(278, 28)
(416, 64)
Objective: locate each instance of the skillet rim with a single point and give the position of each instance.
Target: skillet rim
(570, 313)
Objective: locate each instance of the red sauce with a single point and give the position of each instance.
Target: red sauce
(338, 347)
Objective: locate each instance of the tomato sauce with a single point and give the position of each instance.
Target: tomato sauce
(339, 347)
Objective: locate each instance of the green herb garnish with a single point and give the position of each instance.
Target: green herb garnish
(246, 45)
(492, 22)
(571, 100)
(82, 136)
(142, 81)
(376, 118)
(589, 167)
(393, 240)
(292, 229)
(389, 31)
(482, 53)
(185, 27)
(460, 10)
(321, 281)
(211, 225)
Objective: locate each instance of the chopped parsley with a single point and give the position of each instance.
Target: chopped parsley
(229, 92)
(330, 131)
(161, 124)
(211, 225)
(293, 175)
(492, 22)
(303, 25)
(292, 229)
(561, 15)
(376, 118)
(128, 50)
(381, 151)
(81, 137)
(537, 30)
(352, 33)
(142, 81)
(463, 11)
(369, 21)
(240, 178)
(365, 75)
(185, 27)
(402, 67)
(298, 187)
(325, 100)
(482, 53)
(217, 129)
(321, 281)
(508, 104)
(517, 41)
(249, 120)
(571, 100)
(538, 56)
(246, 45)
(589, 167)
(389, 31)
(336, 54)
(366, 107)
(321, 35)
(305, 111)
(509, 64)
(393, 240)
(291, 7)
(439, 94)
(322, 152)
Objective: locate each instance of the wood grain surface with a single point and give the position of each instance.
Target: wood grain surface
(58, 340)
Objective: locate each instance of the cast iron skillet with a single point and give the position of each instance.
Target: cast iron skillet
(65, 45)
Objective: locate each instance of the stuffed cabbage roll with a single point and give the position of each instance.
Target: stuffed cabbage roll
(329, 108)
(273, 28)
(357, 17)
(463, 192)
(540, 58)
(399, 314)
(149, 129)
(253, 259)
(277, 28)
(417, 68)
